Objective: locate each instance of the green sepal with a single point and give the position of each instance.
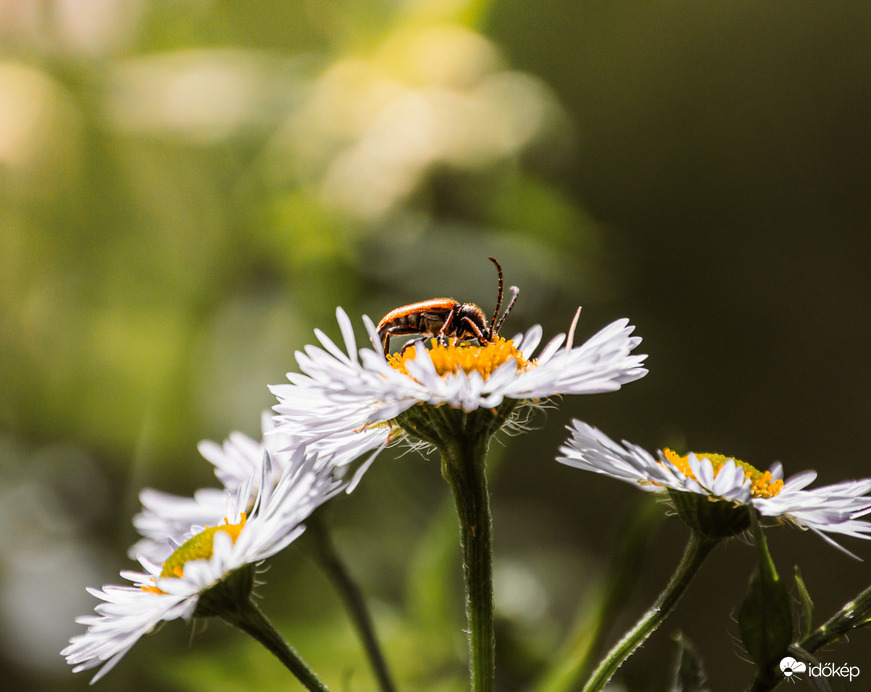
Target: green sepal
(713, 519)
(689, 670)
(442, 425)
(228, 595)
(765, 616)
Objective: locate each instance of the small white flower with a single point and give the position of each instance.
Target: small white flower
(166, 519)
(831, 509)
(339, 390)
(173, 590)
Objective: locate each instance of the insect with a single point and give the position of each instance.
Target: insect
(445, 318)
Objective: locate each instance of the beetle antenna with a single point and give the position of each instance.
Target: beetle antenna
(494, 331)
(515, 291)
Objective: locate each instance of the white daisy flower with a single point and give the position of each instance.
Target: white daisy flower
(166, 519)
(339, 390)
(831, 509)
(208, 558)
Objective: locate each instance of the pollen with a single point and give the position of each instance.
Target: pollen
(456, 356)
(198, 547)
(763, 484)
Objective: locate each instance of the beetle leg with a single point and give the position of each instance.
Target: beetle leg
(476, 331)
(446, 327)
(385, 337)
(411, 344)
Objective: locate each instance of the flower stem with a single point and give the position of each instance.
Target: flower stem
(464, 469)
(696, 551)
(350, 593)
(853, 614)
(248, 618)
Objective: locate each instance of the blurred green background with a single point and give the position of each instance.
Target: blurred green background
(189, 188)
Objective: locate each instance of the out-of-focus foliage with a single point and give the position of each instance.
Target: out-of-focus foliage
(188, 188)
(165, 197)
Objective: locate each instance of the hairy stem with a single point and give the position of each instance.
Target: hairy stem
(696, 551)
(248, 618)
(464, 469)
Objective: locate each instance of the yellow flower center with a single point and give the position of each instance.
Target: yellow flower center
(198, 547)
(454, 357)
(763, 484)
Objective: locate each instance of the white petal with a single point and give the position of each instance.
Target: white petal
(800, 480)
(347, 333)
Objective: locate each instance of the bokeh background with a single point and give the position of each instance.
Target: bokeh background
(188, 188)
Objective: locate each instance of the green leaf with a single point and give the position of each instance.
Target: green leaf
(765, 617)
(689, 670)
(807, 605)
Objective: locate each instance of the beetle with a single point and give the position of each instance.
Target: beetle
(445, 318)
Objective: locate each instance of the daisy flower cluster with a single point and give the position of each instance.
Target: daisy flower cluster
(347, 403)
(334, 417)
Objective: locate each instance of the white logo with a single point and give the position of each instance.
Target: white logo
(789, 667)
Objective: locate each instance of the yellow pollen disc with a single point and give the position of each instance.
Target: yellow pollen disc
(199, 547)
(763, 484)
(463, 356)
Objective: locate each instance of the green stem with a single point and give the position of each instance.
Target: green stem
(351, 595)
(852, 615)
(248, 618)
(464, 469)
(696, 551)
